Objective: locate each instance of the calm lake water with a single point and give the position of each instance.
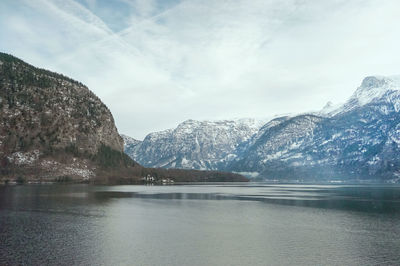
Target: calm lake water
(218, 224)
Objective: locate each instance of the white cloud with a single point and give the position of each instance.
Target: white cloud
(207, 59)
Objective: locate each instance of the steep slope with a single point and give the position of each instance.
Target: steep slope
(193, 144)
(47, 120)
(130, 144)
(358, 140)
(277, 141)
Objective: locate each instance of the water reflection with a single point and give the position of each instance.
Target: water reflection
(357, 198)
(223, 224)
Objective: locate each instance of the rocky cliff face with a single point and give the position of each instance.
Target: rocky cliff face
(204, 145)
(44, 114)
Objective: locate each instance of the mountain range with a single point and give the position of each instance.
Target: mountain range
(358, 140)
(205, 145)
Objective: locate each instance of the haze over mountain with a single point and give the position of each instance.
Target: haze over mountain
(359, 139)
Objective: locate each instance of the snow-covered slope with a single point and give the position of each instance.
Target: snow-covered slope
(130, 144)
(194, 144)
(359, 139)
(372, 89)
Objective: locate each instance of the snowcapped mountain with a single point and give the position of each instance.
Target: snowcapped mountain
(372, 89)
(193, 144)
(359, 139)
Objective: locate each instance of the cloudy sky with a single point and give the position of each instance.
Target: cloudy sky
(156, 63)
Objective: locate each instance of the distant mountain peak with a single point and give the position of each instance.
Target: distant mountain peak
(372, 89)
(129, 140)
(374, 81)
(328, 109)
(329, 104)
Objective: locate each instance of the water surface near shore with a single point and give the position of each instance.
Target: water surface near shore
(207, 224)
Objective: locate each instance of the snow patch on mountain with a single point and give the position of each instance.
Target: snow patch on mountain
(129, 141)
(372, 88)
(358, 139)
(24, 158)
(193, 144)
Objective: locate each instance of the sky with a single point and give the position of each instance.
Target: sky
(156, 63)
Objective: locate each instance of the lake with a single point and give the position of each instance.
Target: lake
(200, 224)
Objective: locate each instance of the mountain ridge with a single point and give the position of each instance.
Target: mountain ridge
(203, 145)
(356, 140)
